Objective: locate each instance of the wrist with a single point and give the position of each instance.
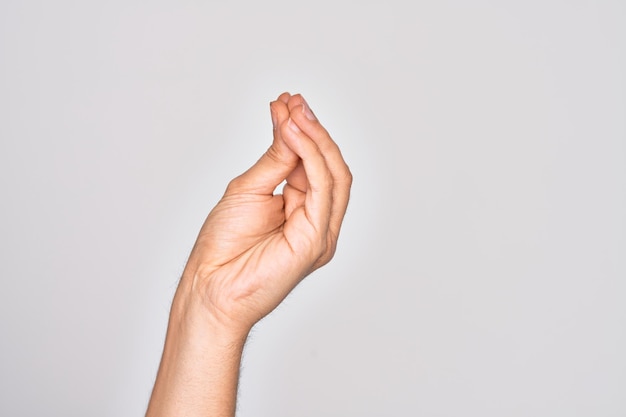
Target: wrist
(191, 314)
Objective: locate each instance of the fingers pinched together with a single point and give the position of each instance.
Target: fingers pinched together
(318, 179)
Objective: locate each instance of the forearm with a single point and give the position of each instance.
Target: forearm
(199, 370)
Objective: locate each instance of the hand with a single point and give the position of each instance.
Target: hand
(256, 246)
(252, 250)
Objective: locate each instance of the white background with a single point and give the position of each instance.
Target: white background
(481, 270)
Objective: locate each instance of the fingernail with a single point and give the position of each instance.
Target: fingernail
(307, 111)
(293, 126)
(274, 117)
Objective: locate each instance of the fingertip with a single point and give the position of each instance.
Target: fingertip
(280, 113)
(284, 97)
(304, 118)
(295, 101)
(306, 109)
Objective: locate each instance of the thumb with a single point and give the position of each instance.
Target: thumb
(275, 164)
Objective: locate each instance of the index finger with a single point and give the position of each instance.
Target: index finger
(301, 113)
(318, 199)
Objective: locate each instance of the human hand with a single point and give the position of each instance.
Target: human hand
(256, 246)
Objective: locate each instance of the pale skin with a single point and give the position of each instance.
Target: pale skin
(253, 249)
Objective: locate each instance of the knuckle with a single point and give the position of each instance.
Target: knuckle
(274, 154)
(318, 248)
(327, 251)
(234, 185)
(347, 175)
(331, 248)
(278, 156)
